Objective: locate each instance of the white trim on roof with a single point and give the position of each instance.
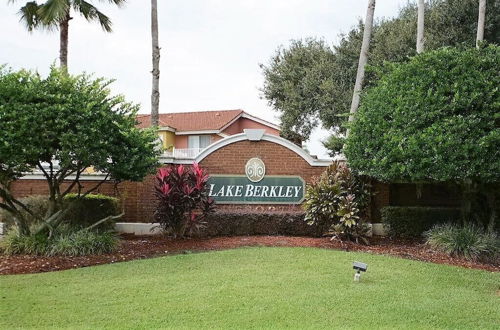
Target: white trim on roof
(166, 128)
(249, 134)
(260, 121)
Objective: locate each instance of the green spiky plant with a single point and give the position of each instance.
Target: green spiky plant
(56, 14)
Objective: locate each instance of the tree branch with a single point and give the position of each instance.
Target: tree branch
(111, 217)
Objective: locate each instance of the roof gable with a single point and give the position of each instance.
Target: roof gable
(194, 121)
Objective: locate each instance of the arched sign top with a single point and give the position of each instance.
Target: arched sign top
(259, 135)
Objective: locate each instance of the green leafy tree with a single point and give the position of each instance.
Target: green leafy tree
(298, 84)
(434, 118)
(56, 14)
(310, 83)
(60, 126)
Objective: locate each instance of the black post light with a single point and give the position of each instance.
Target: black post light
(359, 267)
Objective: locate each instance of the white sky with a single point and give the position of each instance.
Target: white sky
(210, 49)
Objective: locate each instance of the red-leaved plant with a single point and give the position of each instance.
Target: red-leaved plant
(183, 202)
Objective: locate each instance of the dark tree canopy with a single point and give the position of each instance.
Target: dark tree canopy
(432, 118)
(310, 83)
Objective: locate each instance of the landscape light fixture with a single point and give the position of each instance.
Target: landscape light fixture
(359, 267)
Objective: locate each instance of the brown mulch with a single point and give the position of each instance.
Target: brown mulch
(141, 247)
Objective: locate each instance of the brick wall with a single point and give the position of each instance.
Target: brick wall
(138, 199)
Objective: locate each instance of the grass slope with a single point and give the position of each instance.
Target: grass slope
(254, 288)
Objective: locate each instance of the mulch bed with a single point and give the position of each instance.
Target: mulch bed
(141, 247)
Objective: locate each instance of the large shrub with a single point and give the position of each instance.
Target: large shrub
(433, 119)
(86, 210)
(468, 241)
(338, 200)
(183, 202)
(413, 221)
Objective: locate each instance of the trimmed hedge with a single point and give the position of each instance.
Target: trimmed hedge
(413, 221)
(90, 209)
(234, 224)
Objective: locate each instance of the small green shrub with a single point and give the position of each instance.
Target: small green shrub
(413, 221)
(38, 204)
(468, 241)
(83, 242)
(85, 211)
(66, 242)
(338, 200)
(13, 243)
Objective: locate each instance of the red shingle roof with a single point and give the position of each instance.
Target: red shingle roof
(192, 121)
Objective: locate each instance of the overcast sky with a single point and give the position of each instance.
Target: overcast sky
(210, 49)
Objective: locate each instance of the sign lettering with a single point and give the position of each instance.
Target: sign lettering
(238, 189)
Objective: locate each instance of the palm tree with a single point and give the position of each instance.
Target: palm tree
(363, 58)
(155, 93)
(420, 26)
(480, 22)
(56, 14)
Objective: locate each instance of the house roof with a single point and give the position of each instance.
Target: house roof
(196, 120)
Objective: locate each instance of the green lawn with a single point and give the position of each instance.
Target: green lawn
(254, 288)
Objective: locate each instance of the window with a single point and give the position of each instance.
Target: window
(198, 141)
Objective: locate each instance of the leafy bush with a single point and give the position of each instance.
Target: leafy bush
(413, 221)
(65, 242)
(338, 200)
(82, 212)
(84, 242)
(235, 224)
(469, 241)
(85, 211)
(183, 202)
(37, 204)
(14, 243)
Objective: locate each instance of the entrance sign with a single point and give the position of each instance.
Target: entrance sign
(238, 189)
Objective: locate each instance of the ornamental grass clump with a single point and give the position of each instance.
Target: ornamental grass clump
(338, 201)
(66, 241)
(469, 241)
(183, 201)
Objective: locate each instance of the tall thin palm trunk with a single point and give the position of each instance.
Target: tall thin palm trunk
(363, 59)
(480, 22)
(63, 41)
(155, 94)
(420, 26)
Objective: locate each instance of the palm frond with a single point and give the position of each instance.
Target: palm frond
(91, 13)
(119, 3)
(29, 15)
(54, 11)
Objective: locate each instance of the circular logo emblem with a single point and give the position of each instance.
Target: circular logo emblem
(255, 169)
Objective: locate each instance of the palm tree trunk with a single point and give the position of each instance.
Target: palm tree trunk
(63, 41)
(155, 94)
(363, 58)
(480, 22)
(420, 26)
